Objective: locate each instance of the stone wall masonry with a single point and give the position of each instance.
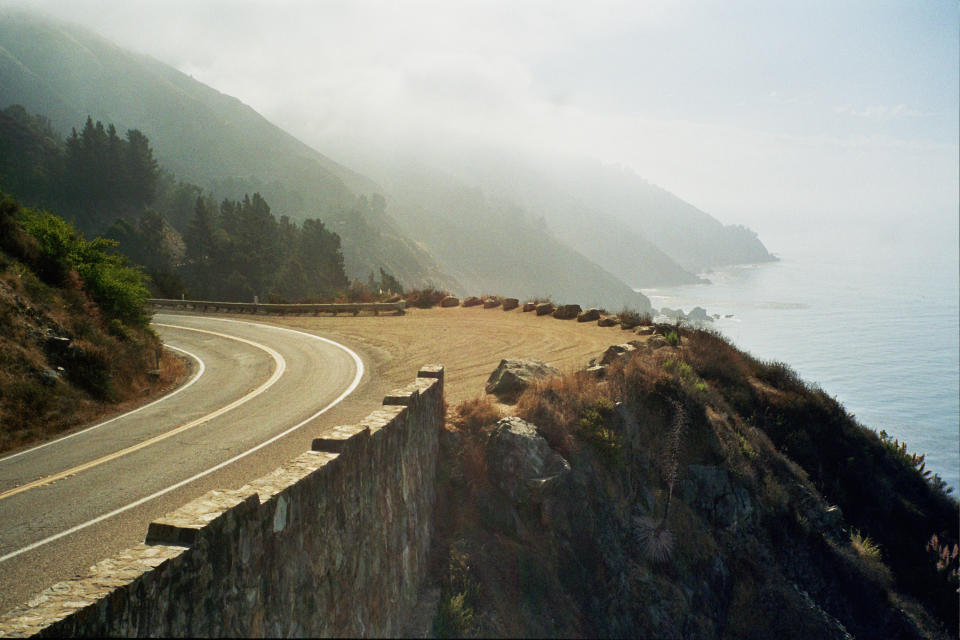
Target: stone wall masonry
(332, 543)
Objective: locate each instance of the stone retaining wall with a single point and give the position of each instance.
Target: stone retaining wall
(333, 543)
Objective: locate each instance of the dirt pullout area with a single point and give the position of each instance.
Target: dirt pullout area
(469, 342)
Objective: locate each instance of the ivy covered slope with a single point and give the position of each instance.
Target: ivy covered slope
(687, 490)
(74, 340)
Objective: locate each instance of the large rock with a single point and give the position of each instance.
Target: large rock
(529, 306)
(510, 304)
(490, 303)
(588, 315)
(608, 321)
(699, 315)
(544, 308)
(617, 352)
(567, 311)
(472, 301)
(521, 463)
(450, 301)
(512, 376)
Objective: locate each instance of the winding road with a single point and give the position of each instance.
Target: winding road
(93, 492)
(70, 503)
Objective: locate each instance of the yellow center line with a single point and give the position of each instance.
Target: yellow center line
(277, 372)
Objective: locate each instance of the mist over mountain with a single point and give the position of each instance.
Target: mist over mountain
(490, 221)
(67, 73)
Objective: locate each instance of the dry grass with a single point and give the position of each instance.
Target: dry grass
(105, 369)
(472, 415)
(556, 405)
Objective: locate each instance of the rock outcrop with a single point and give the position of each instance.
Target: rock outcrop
(521, 463)
(512, 376)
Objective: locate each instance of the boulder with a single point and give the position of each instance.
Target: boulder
(673, 314)
(567, 311)
(450, 301)
(617, 352)
(588, 315)
(522, 464)
(699, 315)
(472, 301)
(529, 306)
(490, 303)
(657, 342)
(512, 376)
(544, 308)
(644, 330)
(608, 321)
(510, 304)
(597, 370)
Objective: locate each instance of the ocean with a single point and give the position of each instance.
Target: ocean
(877, 328)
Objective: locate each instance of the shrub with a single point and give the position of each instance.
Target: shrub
(594, 428)
(864, 545)
(117, 287)
(455, 616)
(472, 415)
(557, 404)
(425, 298)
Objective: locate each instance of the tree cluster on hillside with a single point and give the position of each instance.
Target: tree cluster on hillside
(238, 250)
(93, 171)
(188, 244)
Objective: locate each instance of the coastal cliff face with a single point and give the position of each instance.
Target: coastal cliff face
(691, 492)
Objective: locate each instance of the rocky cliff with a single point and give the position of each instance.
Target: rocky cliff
(687, 491)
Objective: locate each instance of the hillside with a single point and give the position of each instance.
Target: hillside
(686, 490)
(67, 73)
(641, 233)
(490, 245)
(73, 346)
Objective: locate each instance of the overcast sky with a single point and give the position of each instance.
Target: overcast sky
(767, 113)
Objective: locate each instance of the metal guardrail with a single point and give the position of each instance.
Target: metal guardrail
(281, 309)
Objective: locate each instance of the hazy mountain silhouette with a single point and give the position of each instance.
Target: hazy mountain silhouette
(578, 232)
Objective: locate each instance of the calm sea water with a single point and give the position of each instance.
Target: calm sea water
(877, 329)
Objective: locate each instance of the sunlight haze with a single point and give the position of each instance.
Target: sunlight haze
(778, 115)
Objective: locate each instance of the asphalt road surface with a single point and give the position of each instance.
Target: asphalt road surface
(70, 502)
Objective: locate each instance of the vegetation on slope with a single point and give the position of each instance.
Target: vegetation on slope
(708, 495)
(187, 242)
(74, 339)
(206, 137)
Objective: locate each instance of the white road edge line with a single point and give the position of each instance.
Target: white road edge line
(279, 369)
(353, 385)
(196, 376)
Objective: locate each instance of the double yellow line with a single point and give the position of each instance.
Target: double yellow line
(278, 371)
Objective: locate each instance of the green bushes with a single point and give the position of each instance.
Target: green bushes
(117, 287)
(594, 429)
